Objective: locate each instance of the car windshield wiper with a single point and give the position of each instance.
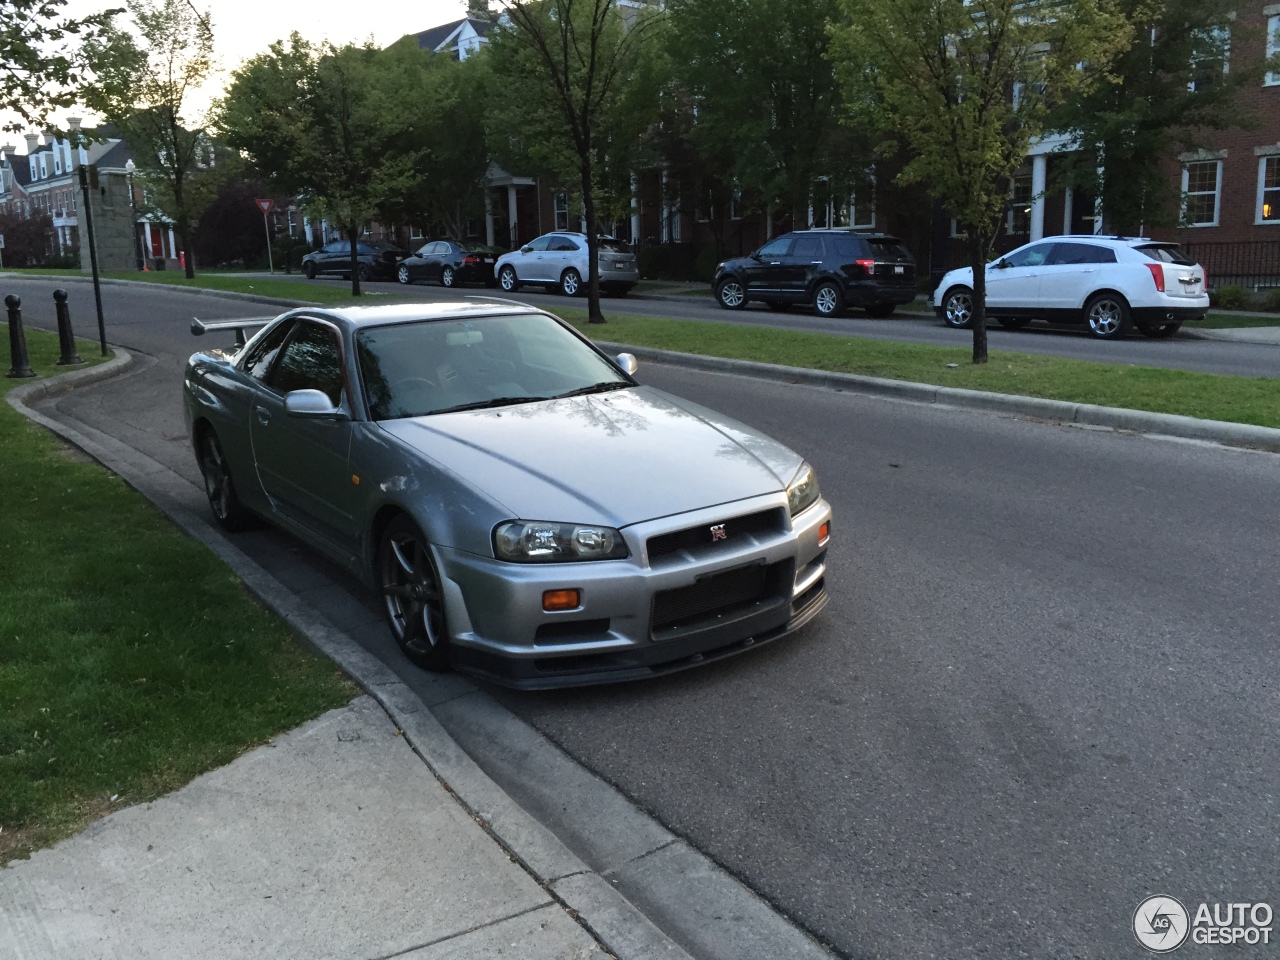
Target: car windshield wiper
(603, 387)
(484, 404)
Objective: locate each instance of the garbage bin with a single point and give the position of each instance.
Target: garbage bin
(159, 263)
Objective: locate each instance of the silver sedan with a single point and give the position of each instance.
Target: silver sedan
(526, 511)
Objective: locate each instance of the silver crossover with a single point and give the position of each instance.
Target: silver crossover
(526, 511)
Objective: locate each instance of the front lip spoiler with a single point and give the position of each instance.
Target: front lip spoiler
(686, 654)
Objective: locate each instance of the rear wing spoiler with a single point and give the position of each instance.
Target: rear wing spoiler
(199, 328)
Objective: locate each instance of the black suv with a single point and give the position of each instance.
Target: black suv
(830, 269)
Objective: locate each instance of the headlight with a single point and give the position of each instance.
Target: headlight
(803, 492)
(538, 541)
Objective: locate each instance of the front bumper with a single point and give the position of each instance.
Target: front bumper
(624, 628)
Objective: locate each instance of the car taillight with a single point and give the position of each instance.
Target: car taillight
(1157, 274)
(466, 260)
(868, 265)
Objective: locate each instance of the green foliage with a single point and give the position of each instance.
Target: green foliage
(1231, 297)
(27, 240)
(49, 58)
(1271, 301)
(1166, 91)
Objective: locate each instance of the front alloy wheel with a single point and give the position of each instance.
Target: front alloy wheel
(507, 279)
(957, 308)
(1108, 316)
(411, 595)
(731, 295)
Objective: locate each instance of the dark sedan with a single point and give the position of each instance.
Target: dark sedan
(374, 260)
(448, 263)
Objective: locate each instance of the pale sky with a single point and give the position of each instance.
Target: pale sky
(242, 28)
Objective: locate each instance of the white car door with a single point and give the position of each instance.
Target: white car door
(1073, 271)
(530, 262)
(1013, 281)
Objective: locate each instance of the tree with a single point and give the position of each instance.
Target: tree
(46, 58)
(144, 88)
(27, 240)
(966, 86)
(563, 65)
(331, 125)
(1169, 88)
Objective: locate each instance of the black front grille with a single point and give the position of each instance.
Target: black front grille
(695, 539)
(717, 594)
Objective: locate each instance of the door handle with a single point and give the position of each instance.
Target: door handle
(263, 415)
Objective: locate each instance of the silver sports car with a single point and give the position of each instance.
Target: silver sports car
(526, 511)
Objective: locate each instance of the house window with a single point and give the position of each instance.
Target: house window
(735, 205)
(1269, 189)
(1273, 48)
(1018, 219)
(1201, 190)
(1210, 59)
(562, 211)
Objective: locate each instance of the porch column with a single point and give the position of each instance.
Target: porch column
(635, 210)
(1039, 168)
(488, 216)
(513, 240)
(173, 246)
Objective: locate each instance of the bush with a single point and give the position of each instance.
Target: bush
(64, 261)
(1231, 298)
(1271, 302)
(705, 265)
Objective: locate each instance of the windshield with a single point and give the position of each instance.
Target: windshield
(442, 366)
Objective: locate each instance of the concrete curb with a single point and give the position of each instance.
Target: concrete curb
(49, 386)
(620, 857)
(1116, 418)
(197, 291)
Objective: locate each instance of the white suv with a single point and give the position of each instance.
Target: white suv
(1107, 283)
(559, 262)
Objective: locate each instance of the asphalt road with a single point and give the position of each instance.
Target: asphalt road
(1044, 689)
(1183, 353)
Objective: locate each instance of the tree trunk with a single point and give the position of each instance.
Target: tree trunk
(352, 235)
(594, 314)
(978, 247)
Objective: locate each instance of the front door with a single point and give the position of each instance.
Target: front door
(303, 464)
(1013, 282)
(768, 267)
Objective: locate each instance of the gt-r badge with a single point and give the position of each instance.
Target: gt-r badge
(718, 532)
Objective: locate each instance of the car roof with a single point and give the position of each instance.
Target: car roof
(412, 312)
(1110, 238)
(842, 231)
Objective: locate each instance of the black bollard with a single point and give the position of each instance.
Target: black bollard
(17, 339)
(66, 339)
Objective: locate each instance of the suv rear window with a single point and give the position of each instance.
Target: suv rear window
(887, 248)
(1166, 253)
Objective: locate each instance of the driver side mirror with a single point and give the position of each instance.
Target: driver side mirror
(1001, 264)
(311, 405)
(756, 256)
(526, 249)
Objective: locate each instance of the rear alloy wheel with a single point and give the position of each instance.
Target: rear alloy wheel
(828, 300)
(1013, 323)
(231, 515)
(411, 595)
(1161, 330)
(309, 269)
(570, 283)
(957, 308)
(879, 311)
(1107, 315)
(447, 277)
(402, 274)
(364, 273)
(730, 294)
(507, 279)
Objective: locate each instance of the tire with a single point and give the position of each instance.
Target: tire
(1107, 316)
(828, 301)
(1013, 323)
(309, 269)
(878, 311)
(402, 274)
(411, 596)
(957, 308)
(228, 512)
(364, 273)
(508, 280)
(1161, 330)
(447, 277)
(731, 294)
(571, 283)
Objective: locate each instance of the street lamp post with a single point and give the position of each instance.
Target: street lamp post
(129, 168)
(78, 139)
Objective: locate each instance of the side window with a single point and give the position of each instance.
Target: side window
(848, 248)
(310, 361)
(565, 245)
(1076, 253)
(258, 360)
(775, 248)
(537, 246)
(1032, 256)
(808, 248)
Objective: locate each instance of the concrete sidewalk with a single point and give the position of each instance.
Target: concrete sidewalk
(334, 840)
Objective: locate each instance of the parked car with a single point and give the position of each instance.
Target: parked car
(523, 508)
(559, 262)
(1110, 284)
(827, 269)
(448, 263)
(375, 260)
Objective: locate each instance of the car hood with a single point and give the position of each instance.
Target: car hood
(614, 458)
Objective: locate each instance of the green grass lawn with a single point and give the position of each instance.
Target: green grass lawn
(285, 288)
(1214, 397)
(131, 658)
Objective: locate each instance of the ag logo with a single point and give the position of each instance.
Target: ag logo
(1161, 924)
